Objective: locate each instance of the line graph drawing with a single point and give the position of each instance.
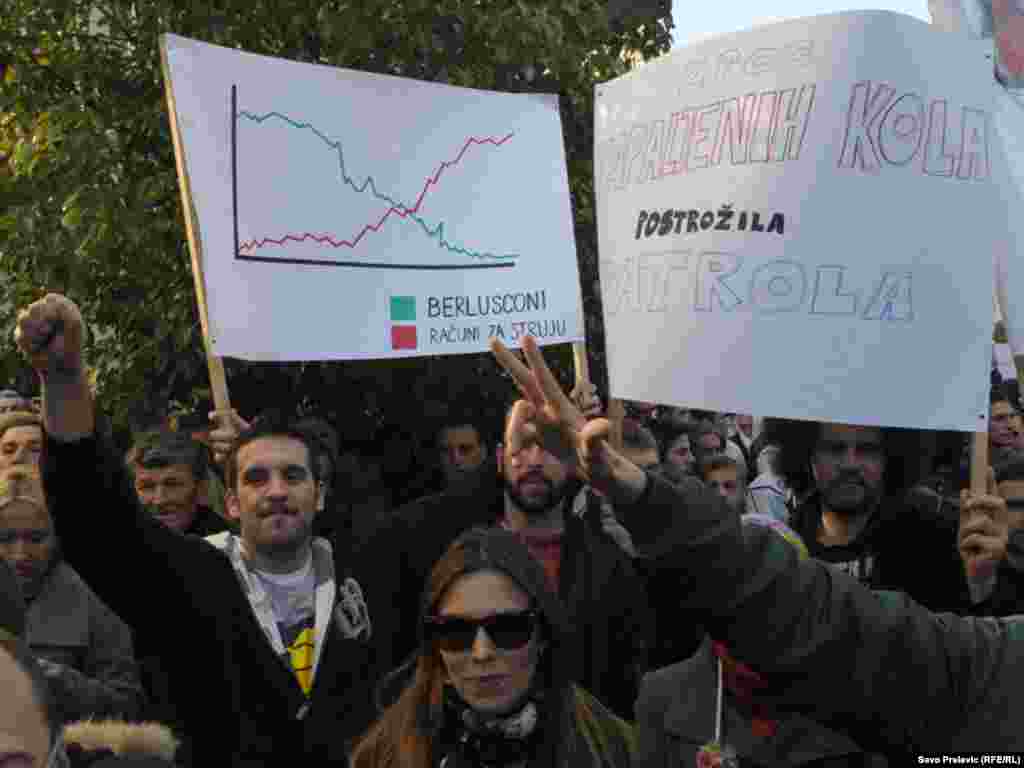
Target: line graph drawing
(245, 249)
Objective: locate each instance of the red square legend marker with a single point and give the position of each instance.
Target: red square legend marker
(403, 337)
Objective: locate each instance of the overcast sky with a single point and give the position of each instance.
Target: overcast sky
(698, 19)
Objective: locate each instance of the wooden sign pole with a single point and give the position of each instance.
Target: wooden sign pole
(979, 463)
(580, 362)
(218, 377)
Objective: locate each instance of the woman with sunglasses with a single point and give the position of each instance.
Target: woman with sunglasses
(489, 686)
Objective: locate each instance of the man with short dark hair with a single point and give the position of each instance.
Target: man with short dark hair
(169, 470)
(726, 477)
(461, 449)
(1003, 425)
(706, 439)
(266, 634)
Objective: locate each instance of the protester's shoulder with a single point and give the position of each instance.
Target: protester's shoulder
(660, 686)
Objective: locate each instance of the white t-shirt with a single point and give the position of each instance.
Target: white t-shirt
(293, 597)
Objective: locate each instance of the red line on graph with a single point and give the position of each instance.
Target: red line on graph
(401, 210)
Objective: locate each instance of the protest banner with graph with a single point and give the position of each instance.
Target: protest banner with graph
(343, 214)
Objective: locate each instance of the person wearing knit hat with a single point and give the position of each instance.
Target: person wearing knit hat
(85, 650)
(491, 685)
(714, 710)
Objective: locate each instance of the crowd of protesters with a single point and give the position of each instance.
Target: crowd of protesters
(678, 587)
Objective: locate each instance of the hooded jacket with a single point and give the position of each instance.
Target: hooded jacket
(241, 705)
(895, 677)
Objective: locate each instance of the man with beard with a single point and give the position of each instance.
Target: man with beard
(860, 517)
(537, 497)
(266, 635)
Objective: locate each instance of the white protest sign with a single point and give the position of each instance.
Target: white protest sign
(1001, 26)
(345, 214)
(797, 221)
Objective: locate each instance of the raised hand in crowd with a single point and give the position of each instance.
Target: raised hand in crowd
(546, 415)
(983, 535)
(584, 396)
(50, 333)
(229, 426)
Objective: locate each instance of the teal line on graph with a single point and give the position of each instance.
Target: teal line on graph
(397, 207)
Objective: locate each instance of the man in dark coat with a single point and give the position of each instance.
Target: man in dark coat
(268, 635)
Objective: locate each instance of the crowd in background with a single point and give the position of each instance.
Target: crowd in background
(485, 531)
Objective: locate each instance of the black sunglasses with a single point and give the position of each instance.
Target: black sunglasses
(508, 631)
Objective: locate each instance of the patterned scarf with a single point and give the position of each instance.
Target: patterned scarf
(472, 741)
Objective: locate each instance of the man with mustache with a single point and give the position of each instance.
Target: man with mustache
(860, 518)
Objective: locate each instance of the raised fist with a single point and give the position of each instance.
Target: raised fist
(50, 334)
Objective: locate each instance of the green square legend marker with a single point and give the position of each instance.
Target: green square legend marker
(403, 309)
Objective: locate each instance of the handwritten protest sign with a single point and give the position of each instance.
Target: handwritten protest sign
(798, 221)
(345, 214)
(1000, 28)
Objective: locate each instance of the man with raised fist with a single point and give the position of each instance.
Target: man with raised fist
(265, 635)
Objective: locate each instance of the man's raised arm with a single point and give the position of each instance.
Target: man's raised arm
(104, 531)
(50, 334)
(875, 664)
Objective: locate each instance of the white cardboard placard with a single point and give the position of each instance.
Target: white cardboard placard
(345, 214)
(799, 221)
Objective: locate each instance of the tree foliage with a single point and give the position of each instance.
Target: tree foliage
(89, 201)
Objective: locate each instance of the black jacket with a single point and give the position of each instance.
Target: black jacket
(909, 545)
(605, 599)
(240, 704)
(894, 676)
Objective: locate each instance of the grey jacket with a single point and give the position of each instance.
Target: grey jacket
(86, 650)
(676, 716)
(894, 676)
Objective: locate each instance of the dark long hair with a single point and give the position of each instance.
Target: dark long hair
(406, 735)
(798, 440)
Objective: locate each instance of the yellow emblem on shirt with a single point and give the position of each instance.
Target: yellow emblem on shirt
(300, 652)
